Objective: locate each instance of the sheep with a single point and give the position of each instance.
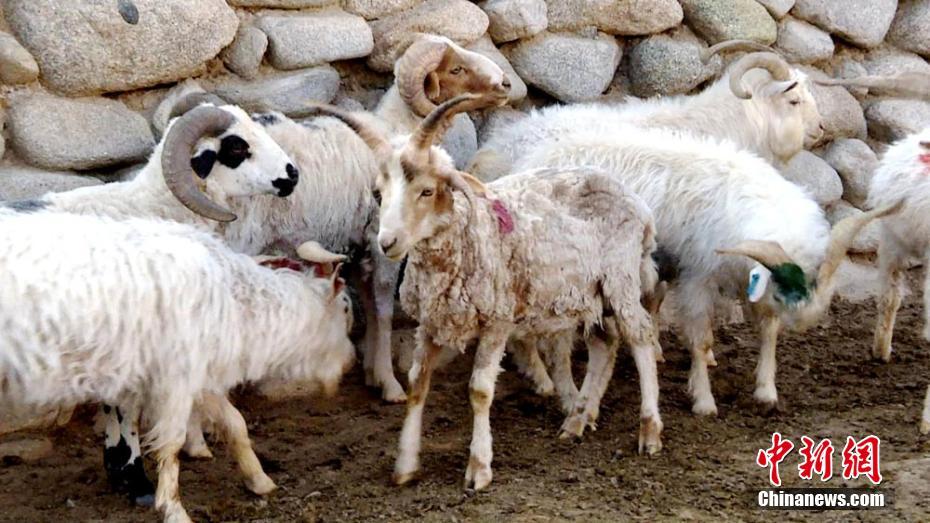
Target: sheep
(761, 104)
(160, 315)
(540, 253)
(337, 208)
(902, 173)
(711, 198)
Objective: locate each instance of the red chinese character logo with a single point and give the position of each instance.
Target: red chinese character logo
(819, 459)
(774, 455)
(862, 459)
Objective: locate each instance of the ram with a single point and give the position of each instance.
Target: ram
(539, 253)
(709, 198)
(902, 173)
(762, 104)
(162, 316)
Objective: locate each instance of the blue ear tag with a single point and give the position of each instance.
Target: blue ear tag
(759, 278)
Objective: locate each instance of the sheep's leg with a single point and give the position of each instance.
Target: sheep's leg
(600, 361)
(424, 361)
(891, 281)
(558, 355)
(642, 335)
(384, 281)
(766, 393)
(481, 391)
(195, 446)
(925, 416)
(653, 303)
(926, 302)
(366, 296)
(122, 454)
(220, 410)
(526, 356)
(170, 414)
(698, 329)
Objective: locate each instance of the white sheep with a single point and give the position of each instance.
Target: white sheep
(761, 104)
(163, 316)
(904, 172)
(710, 197)
(540, 253)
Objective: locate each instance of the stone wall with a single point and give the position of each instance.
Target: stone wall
(81, 78)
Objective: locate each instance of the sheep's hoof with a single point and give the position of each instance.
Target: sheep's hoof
(392, 392)
(478, 475)
(199, 452)
(924, 427)
(261, 484)
(650, 440)
(546, 389)
(768, 407)
(572, 427)
(880, 355)
(710, 358)
(403, 478)
(145, 500)
(705, 407)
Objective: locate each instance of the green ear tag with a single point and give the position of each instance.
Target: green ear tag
(790, 283)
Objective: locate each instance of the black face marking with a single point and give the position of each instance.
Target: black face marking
(285, 186)
(25, 205)
(265, 119)
(128, 11)
(203, 164)
(233, 151)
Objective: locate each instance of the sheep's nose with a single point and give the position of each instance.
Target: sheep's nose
(387, 244)
(506, 82)
(292, 171)
(285, 186)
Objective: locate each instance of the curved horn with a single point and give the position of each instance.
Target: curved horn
(314, 252)
(768, 253)
(421, 58)
(437, 121)
(771, 62)
(842, 236)
(903, 85)
(192, 100)
(176, 159)
(372, 137)
(733, 45)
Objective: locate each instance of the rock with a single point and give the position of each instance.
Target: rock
(301, 41)
(485, 46)
(17, 420)
(911, 26)
(373, 9)
(868, 238)
(812, 173)
(244, 56)
(669, 64)
(461, 141)
(621, 17)
(514, 19)
(283, 4)
(82, 133)
(887, 60)
(892, 120)
(856, 163)
(842, 115)
(862, 22)
(458, 20)
(17, 66)
(777, 8)
(19, 182)
(802, 42)
(106, 50)
(26, 449)
(719, 20)
(285, 92)
(570, 67)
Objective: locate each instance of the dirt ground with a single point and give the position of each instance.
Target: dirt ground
(332, 458)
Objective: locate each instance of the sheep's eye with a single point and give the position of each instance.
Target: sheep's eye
(376, 194)
(457, 70)
(426, 193)
(795, 102)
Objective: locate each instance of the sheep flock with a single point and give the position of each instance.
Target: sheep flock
(233, 257)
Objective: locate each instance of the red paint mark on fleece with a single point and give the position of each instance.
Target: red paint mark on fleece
(504, 219)
(925, 159)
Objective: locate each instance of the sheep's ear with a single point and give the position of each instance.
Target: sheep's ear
(431, 85)
(336, 282)
(202, 164)
(459, 180)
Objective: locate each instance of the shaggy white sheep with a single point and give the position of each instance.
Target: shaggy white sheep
(161, 316)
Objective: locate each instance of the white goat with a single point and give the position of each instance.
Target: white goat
(903, 173)
(541, 253)
(761, 104)
(209, 158)
(163, 316)
(708, 196)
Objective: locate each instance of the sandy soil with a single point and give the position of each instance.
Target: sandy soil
(332, 458)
